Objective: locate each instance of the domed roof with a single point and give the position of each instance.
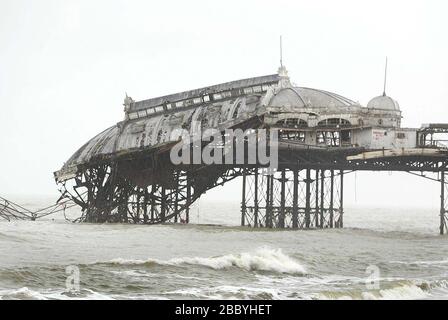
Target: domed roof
(301, 97)
(383, 102)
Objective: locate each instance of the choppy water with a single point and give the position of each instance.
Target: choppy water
(227, 261)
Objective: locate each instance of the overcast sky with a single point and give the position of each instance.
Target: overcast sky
(65, 67)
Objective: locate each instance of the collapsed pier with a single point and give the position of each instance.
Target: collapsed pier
(126, 174)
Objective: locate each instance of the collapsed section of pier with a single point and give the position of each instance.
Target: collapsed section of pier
(126, 173)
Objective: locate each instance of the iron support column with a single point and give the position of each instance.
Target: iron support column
(281, 217)
(145, 206)
(442, 204)
(341, 201)
(308, 199)
(271, 202)
(243, 201)
(332, 199)
(256, 199)
(188, 201)
(137, 211)
(163, 205)
(295, 203)
(316, 214)
(322, 198)
(152, 202)
(176, 199)
(268, 222)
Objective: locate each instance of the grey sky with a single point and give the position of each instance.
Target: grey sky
(65, 66)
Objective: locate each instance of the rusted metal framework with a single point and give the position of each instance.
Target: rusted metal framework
(297, 199)
(13, 211)
(430, 135)
(106, 196)
(305, 192)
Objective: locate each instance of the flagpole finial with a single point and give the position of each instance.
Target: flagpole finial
(281, 52)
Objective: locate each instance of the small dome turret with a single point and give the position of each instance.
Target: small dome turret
(383, 102)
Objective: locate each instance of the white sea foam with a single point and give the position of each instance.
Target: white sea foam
(264, 259)
(133, 274)
(140, 275)
(400, 292)
(427, 263)
(28, 294)
(21, 294)
(86, 294)
(228, 292)
(404, 292)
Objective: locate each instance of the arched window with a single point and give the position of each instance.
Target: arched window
(334, 122)
(292, 123)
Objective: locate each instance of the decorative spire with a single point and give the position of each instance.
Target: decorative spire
(127, 102)
(282, 72)
(385, 79)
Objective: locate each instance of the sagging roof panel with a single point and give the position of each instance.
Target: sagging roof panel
(150, 103)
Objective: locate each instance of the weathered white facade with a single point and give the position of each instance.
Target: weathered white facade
(387, 138)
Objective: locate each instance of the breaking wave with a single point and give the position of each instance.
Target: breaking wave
(264, 259)
(407, 290)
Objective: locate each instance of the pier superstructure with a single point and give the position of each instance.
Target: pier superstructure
(124, 174)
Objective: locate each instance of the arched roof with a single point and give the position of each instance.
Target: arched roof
(152, 130)
(302, 97)
(148, 132)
